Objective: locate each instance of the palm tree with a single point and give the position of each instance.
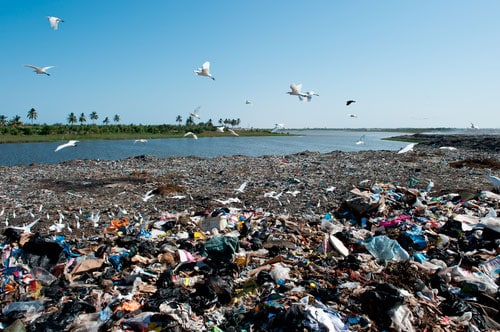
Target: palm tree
(94, 116)
(178, 119)
(16, 121)
(106, 121)
(82, 119)
(189, 121)
(3, 120)
(32, 115)
(116, 118)
(72, 118)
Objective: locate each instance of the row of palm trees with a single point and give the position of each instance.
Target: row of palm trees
(72, 118)
(82, 119)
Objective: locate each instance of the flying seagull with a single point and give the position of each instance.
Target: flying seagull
(195, 112)
(242, 187)
(351, 115)
(308, 95)
(26, 228)
(233, 132)
(54, 21)
(141, 140)
(295, 91)
(192, 134)
(407, 148)
(204, 70)
(220, 129)
(40, 70)
(278, 126)
(65, 145)
(361, 140)
(248, 102)
(349, 102)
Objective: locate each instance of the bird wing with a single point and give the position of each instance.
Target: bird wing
(34, 67)
(206, 66)
(296, 88)
(188, 133)
(72, 142)
(62, 146)
(47, 68)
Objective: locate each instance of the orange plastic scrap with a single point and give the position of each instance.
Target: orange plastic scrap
(9, 287)
(117, 223)
(129, 306)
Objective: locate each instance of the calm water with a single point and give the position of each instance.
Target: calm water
(309, 140)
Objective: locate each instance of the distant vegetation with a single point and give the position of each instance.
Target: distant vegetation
(14, 130)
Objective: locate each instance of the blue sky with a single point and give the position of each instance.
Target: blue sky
(406, 63)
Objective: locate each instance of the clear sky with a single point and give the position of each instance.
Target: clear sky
(406, 63)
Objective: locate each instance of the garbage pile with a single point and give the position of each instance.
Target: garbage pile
(390, 257)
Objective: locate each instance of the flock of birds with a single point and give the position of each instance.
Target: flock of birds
(204, 71)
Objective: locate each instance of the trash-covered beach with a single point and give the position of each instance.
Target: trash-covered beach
(342, 241)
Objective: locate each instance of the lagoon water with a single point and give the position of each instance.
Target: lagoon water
(322, 141)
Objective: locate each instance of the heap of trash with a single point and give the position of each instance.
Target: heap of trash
(388, 258)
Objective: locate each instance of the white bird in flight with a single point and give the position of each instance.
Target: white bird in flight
(233, 132)
(296, 91)
(361, 140)
(26, 228)
(407, 148)
(308, 95)
(141, 140)
(54, 21)
(147, 196)
(192, 134)
(220, 129)
(40, 70)
(204, 70)
(242, 187)
(195, 112)
(65, 145)
(278, 126)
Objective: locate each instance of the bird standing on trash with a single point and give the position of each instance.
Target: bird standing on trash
(495, 180)
(407, 148)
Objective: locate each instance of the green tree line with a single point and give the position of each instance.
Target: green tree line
(77, 125)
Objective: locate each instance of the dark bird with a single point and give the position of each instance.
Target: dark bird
(349, 102)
